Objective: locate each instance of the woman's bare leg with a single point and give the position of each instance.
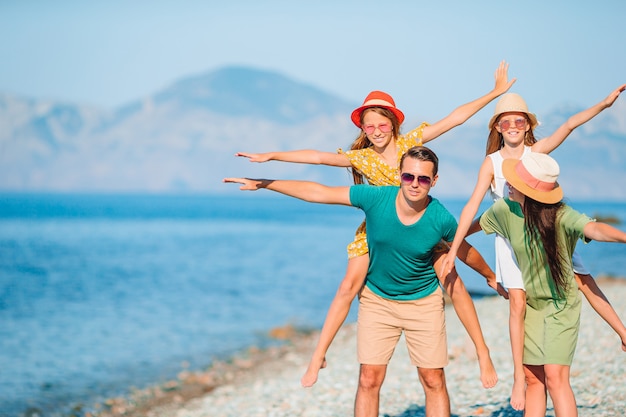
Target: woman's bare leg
(560, 390)
(517, 308)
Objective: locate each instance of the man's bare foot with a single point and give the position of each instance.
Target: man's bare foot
(488, 375)
(518, 395)
(310, 376)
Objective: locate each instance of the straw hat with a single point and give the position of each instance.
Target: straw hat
(512, 102)
(377, 99)
(534, 176)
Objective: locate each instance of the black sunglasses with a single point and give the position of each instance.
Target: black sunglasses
(422, 180)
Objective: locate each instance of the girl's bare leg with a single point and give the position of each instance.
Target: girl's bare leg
(536, 397)
(517, 307)
(337, 313)
(465, 310)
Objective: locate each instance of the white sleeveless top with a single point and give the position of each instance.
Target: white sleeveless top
(507, 270)
(499, 182)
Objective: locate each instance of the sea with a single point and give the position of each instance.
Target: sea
(101, 294)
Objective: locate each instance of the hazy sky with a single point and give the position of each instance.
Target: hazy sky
(431, 56)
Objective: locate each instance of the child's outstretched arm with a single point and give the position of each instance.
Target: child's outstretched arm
(601, 305)
(470, 210)
(603, 232)
(472, 258)
(550, 143)
(465, 111)
(305, 156)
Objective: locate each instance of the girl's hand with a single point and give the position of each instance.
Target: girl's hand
(502, 292)
(608, 102)
(254, 157)
(501, 76)
(448, 263)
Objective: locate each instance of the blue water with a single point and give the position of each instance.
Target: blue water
(101, 293)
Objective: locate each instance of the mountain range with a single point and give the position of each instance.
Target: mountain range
(183, 140)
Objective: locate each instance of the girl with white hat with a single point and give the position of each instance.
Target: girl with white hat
(511, 136)
(543, 232)
(374, 155)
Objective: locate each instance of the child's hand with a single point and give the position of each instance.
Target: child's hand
(254, 157)
(448, 263)
(608, 102)
(501, 76)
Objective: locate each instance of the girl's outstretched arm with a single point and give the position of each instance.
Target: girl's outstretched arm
(465, 111)
(550, 143)
(472, 258)
(598, 301)
(305, 156)
(470, 210)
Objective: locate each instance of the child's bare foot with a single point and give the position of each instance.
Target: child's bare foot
(518, 395)
(310, 376)
(488, 375)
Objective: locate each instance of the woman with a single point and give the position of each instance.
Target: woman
(543, 231)
(511, 135)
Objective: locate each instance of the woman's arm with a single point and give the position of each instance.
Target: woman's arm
(603, 232)
(550, 143)
(305, 156)
(467, 110)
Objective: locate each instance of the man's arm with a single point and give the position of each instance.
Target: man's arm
(304, 190)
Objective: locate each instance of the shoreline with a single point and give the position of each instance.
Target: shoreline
(226, 387)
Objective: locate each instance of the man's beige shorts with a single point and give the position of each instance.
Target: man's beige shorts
(381, 322)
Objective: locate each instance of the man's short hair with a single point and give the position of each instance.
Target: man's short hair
(421, 153)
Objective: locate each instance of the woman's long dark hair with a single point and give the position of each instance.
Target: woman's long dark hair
(540, 221)
(362, 142)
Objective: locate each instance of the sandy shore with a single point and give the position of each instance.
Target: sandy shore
(267, 383)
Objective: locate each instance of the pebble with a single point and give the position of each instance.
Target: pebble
(598, 375)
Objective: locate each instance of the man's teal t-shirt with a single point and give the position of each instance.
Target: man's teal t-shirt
(401, 256)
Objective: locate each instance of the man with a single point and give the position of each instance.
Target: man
(401, 292)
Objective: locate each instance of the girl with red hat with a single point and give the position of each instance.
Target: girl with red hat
(374, 155)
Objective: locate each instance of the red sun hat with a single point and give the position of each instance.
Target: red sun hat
(377, 99)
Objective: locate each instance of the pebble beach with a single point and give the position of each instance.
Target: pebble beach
(267, 383)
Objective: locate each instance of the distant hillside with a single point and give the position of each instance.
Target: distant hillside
(182, 139)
